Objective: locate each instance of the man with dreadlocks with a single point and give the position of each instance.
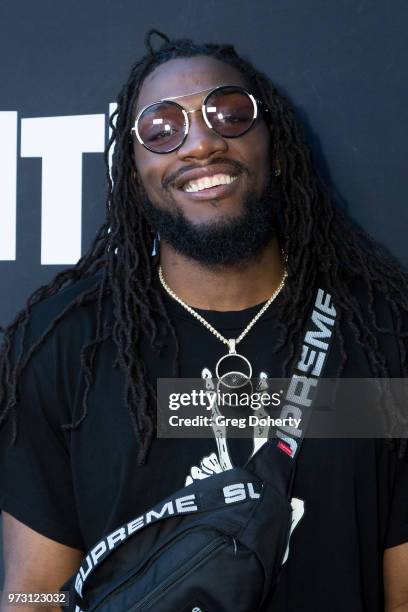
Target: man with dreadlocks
(244, 224)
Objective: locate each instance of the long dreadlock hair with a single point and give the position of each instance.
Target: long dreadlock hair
(319, 239)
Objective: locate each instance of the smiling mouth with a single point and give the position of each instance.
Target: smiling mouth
(207, 182)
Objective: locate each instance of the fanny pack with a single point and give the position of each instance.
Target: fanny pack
(218, 544)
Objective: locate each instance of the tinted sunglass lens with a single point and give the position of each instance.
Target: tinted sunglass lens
(230, 112)
(161, 127)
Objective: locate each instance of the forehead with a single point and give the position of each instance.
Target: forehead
(184, 76)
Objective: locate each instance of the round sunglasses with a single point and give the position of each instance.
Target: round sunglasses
(229, 110)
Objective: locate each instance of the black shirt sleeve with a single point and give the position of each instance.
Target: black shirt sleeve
(35, 473)
(398, 518)
(398, 522)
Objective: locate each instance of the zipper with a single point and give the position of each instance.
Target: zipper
(191, 564)
(134, 576)
(145, 566)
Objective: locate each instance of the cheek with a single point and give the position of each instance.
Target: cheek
(261, 156)
(264, 142)
(149, 170)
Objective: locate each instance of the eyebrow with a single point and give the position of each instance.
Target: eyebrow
(193, 93)
(169, 98)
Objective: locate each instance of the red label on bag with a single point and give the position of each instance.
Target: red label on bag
(285, 448)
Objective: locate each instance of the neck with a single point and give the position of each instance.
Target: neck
(222, 288)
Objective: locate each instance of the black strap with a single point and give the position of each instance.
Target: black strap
(267, 463)
(310, 367)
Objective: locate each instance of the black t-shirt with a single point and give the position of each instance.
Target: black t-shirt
(350, 497)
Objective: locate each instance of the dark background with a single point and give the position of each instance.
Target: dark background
(342, 63)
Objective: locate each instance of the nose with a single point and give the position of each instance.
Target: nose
(201, 142)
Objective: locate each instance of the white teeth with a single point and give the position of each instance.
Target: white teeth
(208, 181)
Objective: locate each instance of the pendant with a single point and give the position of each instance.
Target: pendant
(233, 379)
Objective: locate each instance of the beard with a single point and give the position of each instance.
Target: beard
(226, 241)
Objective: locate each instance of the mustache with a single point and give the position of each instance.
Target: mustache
(234, 164)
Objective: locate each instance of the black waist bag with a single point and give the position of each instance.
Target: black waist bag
(216, 545)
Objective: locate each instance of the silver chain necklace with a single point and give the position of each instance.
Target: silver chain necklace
(234, 378)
